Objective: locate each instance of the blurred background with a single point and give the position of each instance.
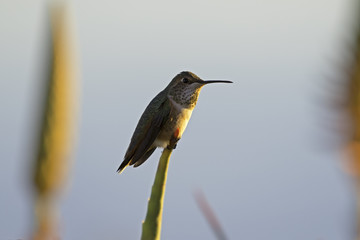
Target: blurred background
(265, 151)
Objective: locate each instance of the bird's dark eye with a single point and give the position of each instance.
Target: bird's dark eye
(185, 80)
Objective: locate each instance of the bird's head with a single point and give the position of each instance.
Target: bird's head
(185, 87)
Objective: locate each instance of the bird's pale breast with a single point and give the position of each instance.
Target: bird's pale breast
(178, 119)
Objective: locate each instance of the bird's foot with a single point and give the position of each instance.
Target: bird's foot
(173, 143)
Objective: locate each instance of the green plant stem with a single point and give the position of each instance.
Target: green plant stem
(151, 227)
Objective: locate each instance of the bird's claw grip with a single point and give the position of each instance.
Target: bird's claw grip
(174, 139)
(173, 143)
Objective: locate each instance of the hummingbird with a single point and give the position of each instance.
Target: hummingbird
(165, 118)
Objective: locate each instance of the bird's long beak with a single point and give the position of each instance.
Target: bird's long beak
(213, 81)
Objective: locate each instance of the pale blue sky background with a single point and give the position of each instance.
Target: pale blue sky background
(255, 148)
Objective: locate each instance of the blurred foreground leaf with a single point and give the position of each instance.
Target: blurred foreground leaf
(56, 139)
(352, 114)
